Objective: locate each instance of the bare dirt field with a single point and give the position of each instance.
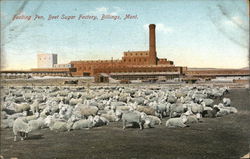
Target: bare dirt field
(227, 137)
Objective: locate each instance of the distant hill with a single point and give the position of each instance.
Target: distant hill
(193, 68)
(245, 68)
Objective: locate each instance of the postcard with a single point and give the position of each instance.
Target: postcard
(125, 79)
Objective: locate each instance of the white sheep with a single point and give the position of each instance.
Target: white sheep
(83, 123)
(171, 99)
(208, 102)
(227, 101)
(21, 126)
(196, 108)
(36, 124)
(133, 117)
(146, 109)
(152, 121)
(177, 122)
(21, 107)
(34, 107)
(100, 121)
(7, 123)
(74, 101)
(88, 110)
(193, 118)
(110, 117)
(177, 109)
(58, 125)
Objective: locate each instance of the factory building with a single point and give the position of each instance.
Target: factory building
(46, 60)
(133, 65)
(132, 62)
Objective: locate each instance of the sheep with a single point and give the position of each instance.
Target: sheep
(162, 109)
(139, 100)
(28, 96)
(21, 107)
(19, 100)
(4, 115)
(100, 121)
(7, 123)
(227, 101)
(177, 122)
(63, 93)
(73, 101)
(118, 104)
(226, 110)
(210, 113)
(65, 112)
(171, 99)
(58, 126)
(122, 98)
(31, 117)
(146, 109)
(41, 98)
(133, 117)
(180, 94)
(34, 107)
(222, 112)
(16, 115)
(83, 123)
(193, 119)
(123, 108)
(196, 108)
(110, 117)
(177, 109)
(110, 103)
(21, 126)
(88, 110)
(232, 109)
(153, 120)
(36, 124)
(208, 102)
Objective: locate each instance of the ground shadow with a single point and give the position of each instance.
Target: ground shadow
(35, 137)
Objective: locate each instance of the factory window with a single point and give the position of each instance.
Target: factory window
(134, 60)
(139, 60)
(145, 60)
(129, 60)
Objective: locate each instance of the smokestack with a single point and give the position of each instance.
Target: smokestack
(152, 45)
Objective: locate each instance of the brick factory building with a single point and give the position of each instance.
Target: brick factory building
(137, 62)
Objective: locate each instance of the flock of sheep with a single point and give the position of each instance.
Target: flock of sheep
(26, 109)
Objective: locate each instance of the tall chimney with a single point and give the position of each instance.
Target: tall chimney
(152, 45)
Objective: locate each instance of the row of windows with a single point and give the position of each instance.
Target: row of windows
(136, 54)
(84, 68)
(139, 60)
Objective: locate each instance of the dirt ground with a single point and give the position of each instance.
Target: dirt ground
(223, 138)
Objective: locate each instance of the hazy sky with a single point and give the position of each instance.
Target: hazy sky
(194, 33)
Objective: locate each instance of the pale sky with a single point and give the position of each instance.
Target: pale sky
(194, 33)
